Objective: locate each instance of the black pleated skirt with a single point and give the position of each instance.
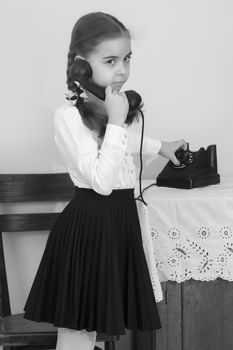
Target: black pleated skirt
(93, 274)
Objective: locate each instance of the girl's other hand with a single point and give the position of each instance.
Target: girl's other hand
(117, 106)
(168, 150)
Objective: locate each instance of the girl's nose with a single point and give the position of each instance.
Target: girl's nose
(121, 69)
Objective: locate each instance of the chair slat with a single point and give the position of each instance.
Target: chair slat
(35, 187)
(16, 330)
(27, 222)
(19, 325)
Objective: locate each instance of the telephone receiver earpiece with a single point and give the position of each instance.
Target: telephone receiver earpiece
(81, 71)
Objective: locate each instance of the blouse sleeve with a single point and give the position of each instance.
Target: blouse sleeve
(99, 167)
(150, 146)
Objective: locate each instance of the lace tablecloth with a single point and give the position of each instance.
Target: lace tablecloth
(187, 233)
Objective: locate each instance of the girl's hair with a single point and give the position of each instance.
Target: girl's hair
(88, 32)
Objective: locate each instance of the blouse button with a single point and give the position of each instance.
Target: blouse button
(125, 135)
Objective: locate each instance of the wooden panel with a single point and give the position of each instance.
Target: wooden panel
(35, 187)
(27, 222)
(174, 310)
(208, 315)
(143, 340)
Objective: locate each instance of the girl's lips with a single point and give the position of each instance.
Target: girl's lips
(117, 85)
(118, 82)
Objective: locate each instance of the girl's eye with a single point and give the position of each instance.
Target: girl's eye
(127, 58)
(111, 61)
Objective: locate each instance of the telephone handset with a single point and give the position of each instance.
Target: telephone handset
(81, 71)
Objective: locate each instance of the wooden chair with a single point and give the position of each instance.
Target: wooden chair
(15, 331)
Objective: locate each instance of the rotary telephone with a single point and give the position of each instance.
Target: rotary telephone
(81, 71)
(196, 169)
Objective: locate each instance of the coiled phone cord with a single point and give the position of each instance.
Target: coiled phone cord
(140, 197)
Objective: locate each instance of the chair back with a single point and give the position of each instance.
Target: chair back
(28, 188)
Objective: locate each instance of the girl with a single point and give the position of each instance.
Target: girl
(93, 276)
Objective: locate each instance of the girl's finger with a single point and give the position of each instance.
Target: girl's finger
(175, 160)
(108, 90)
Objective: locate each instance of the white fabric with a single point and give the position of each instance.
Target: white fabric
(190, 231)
(102, 167)
(71, 339)
(148, 250)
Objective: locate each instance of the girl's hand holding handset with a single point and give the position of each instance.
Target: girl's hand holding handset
(117, 106)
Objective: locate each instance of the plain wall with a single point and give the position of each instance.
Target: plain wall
(181, 65)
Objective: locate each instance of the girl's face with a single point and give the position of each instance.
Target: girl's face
(110, 62)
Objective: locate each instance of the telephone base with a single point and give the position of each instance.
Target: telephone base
(190, 182)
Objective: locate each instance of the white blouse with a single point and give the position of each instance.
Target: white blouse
(102, 165)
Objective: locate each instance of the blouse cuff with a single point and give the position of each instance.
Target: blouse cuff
(115, 135)
(152, 146)
(157, 146)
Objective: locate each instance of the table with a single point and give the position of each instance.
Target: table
(187, 233)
